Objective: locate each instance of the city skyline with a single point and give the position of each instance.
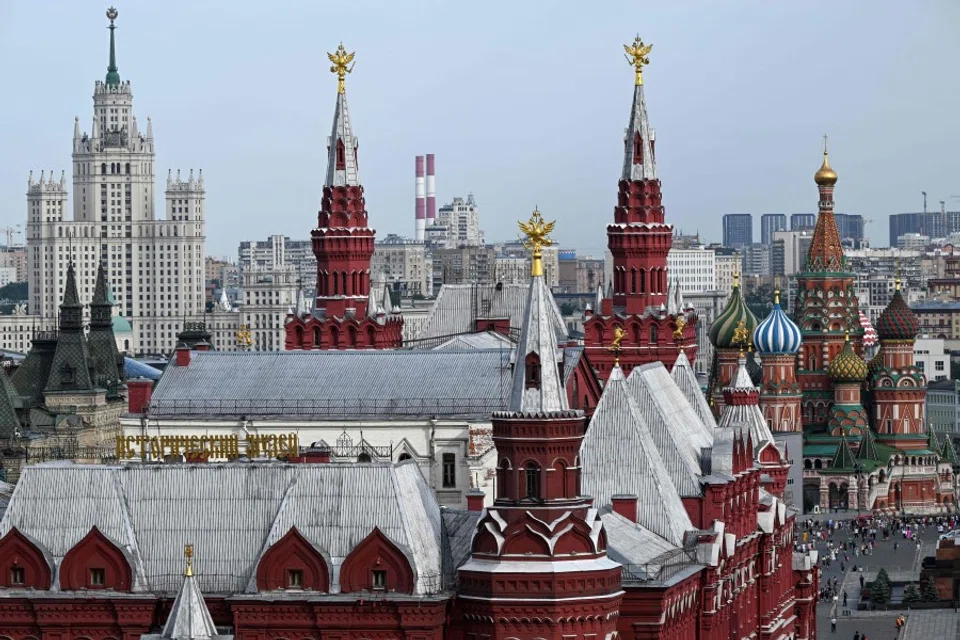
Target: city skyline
(255, 118)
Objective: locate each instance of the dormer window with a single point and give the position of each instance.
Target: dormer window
(295, 579)
(379, 579)
(533, 371)
(341, 156)
(17, 575)
(97, 578)
(637, 149)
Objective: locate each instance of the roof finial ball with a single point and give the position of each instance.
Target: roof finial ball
(112, 14)
(825, 175)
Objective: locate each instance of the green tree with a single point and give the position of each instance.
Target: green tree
(567, 309)
(880, 590)
(14, 291)
(930, 592)
(911, 595)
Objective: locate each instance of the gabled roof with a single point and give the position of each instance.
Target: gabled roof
(619, 456)
(459, 306)
(231, 513)
(538, 340)
(356, 384)
(686, 380)
(671, 420)
(484, 340)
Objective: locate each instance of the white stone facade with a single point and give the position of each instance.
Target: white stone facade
(460, 225)
(694, 269)
(155, 265)
(403, 265)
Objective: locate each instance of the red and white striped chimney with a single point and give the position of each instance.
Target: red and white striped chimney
(421, 204)
(431, 191)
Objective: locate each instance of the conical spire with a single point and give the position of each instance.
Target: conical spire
(537, 381)
(843, 458)
(101, 341)
(868, 447)
(70, 309)
(639, 161)
(70, 370)
(342, 168)
(9, 400)
(113, 76)
(826, 251)
(101, 298)
(189, 618)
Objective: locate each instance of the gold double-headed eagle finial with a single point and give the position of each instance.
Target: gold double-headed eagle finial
(244, 339)
(741, 336)
(678, 332)
(637, 56)
(615, 348)
(188, 554)
(341, 66)
(536, 231)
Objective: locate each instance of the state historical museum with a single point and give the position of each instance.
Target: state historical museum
(654, 520)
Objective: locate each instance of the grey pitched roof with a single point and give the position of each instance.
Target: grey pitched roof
(673, 424)
(644, 168)
(619, 456)
(337, 384)
(458, 306)
(538, 339)
(630, 543)
(485, 340)
(746, 415)
(686, 380)
(342, 132)
(231, 514)
(458, 528)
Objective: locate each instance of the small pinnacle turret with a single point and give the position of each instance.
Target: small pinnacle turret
(113, 75)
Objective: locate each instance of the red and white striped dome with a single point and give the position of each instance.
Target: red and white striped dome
(869, 333)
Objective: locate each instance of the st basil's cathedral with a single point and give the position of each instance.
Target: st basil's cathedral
(865, 441)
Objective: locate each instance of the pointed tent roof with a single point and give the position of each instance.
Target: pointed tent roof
(843, 458)
(949, 452)
(539, 338)
(675, 302)
(868, 447)
(639, 162)
(70, 370)
(933, 442)
(70, 297)
(686, 380)
(101, 341)
(189, 617)
(101, 291)
(598, 298)
(826, 251)
(747, 415)
(9, 399)
(342, 168)
(620, 457)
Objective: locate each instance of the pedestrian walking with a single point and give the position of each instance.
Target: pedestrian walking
(833, 625)
(861, 586)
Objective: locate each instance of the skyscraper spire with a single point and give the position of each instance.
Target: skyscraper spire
(113, 76)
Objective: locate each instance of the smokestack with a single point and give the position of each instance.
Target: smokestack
(431, 191)
(421, 205)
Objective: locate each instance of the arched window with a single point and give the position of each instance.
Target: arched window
(637, 148)
(352, 334)
(316, 337)
(633, 280)
(298, 336)
(341, 158)
(404, 456)
(503, 475)
(643, 281)
(343, 282)
(126, 345)
(532, 480)
(103, 168)
(532, 366)
(653, 334)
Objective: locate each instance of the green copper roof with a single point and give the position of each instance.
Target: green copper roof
(843, 459)
(724, 328)
(868, 447)
(113, 76)
(121, 325)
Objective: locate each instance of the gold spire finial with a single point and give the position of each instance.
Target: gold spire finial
(736, 279)
(637, 56)
(846, 335)
(341, 59)
(615, 348)
(896, 276)
(188, 554)
(536, 231)
(776, 296)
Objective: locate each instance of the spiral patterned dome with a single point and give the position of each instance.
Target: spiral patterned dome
(847, 366)
(876, 362)
(869, 333)
(725, 327)
(777, 333)
(897, 322)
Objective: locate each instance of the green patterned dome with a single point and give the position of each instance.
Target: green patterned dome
(847, 366)
(724, 332)
(876, 362)
(897, 322)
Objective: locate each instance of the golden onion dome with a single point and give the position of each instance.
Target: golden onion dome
(847, 366)
(825, 175)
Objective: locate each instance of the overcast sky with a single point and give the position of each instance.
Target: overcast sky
(522, 102)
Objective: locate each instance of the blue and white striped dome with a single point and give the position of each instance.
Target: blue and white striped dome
(777, 333)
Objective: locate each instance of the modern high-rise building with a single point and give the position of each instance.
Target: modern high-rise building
(737, 230)
(456, 225)
(935, 224)
(850, 227)
(155, 265)
(770, 223)
(803, 221)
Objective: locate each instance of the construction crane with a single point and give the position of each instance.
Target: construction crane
(11, 231)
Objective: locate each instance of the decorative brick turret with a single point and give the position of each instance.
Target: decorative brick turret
(539, 554)
(639, 240)
(343, 316)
